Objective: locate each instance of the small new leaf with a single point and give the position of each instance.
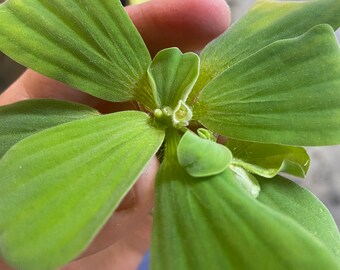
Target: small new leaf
(200, 157)
(173, 75)
(246, 180)
(181, 115)
(206, 134)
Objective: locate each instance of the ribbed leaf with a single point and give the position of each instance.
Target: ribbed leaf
(22, 119)
(266, 22)
(287, 93)
(173, 75)
(268, 160)
(59, 186)
(201, 157)
(298, 203)
(90, 45)
(214, 224)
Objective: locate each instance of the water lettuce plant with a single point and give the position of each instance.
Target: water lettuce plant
(266, 87)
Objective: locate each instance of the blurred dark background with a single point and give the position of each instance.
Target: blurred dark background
(9, 71)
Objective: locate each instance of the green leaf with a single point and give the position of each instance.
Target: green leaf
(90, 45)
(173, 75)
(59, 186)
(247, 180)
(268, 160)
(206, 134)
(287, 93)
(136, 2)
(265, 23)
(182, 115)
(214, 223)
(22, 119)
(201, 157)
(290, 199)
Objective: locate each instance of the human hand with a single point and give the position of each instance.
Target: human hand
(189, 25)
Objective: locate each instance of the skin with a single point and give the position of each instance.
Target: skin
(189, 25)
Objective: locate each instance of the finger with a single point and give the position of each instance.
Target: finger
(188, 25)
(34, 85)
(133, 210)
(4, 266)
(126, 254)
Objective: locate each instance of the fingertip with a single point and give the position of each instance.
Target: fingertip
(142, 193)
(145, 186)
(134, 209)
(210, 18)
(189, 24)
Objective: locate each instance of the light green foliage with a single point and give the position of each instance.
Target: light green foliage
(247, 180)
(134, 2)
(173, 75)
(201, 157)
(213, 223)
(267, 22)
(58, 187)
(206, 134)
(268, 160)
(93, 47)
(290, 199)
(286, 93)
(273, 80)
(22, 119)
(182, 115)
